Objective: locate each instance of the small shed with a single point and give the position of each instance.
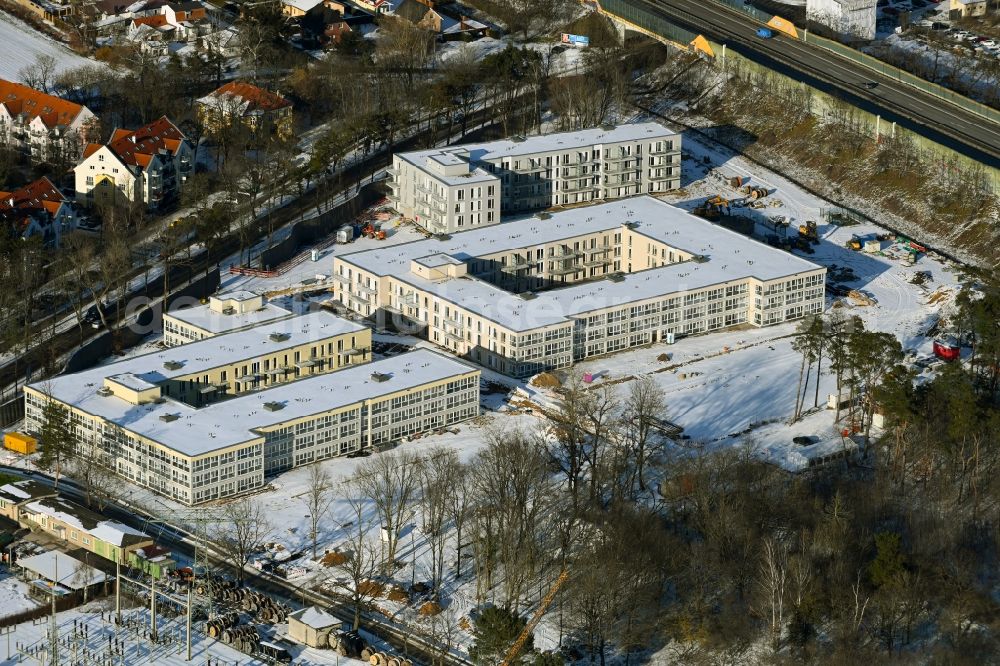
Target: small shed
(55, 572)
(312, 626)
(947, 349)
(20, 443)
(345, 234)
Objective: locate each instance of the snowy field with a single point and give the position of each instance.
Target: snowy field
(13, 595)
(22, 44)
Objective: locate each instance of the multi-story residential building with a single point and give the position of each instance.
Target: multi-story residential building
(536, 294)
(147, 165)
(38, 209)
(224, 313)
(259, 110)
(218, 367)
(82, 528)
(228, 447)
(463, 187)
(46, 127)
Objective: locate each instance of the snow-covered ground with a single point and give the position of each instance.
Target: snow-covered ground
(14, 595)
(22, 44)
(90, 629)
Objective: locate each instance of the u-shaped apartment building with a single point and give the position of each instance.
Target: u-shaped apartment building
(216, 417)
(540, 293)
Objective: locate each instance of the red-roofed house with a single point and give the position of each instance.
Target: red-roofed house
(43, 125)
(148, 164)
(254, 107)
(38, 209)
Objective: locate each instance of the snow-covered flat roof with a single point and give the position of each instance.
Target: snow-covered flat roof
(549, 143)
(18, 491)
(728, 256)
(206, 319)
(60, 568)
(196, 431)
(203, 355)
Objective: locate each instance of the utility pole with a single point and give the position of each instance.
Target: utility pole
(118, 593)
(53, 627)
(189, 621)
(152, 608)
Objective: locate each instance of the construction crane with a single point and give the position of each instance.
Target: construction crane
(515, 649)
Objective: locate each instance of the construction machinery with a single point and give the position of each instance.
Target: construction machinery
(712, 208)
(809, 231)
(370, 231)
(854, 243)
(518, 645)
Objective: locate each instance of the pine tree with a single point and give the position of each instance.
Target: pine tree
(56, 438)
(496, 631)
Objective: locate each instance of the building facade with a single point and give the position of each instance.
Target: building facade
(538, 294)
(855, 18)
(148, 165)
(229, 447)
(258, 110)
(468, 186)
(46, 127)
(224, 313)
(38, 209)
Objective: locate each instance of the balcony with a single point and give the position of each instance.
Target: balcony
(598, 249)
(660, 178)
(392, 172)
(365, 290)
(573, 189)
(565, 253)
(665, 150)
(342, 279)
(619, 157)
(411, 300)
(453, 323)
(594, 263)
(566, 269)
(530, 168)
(454, 337)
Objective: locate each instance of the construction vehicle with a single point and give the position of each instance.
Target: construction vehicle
(854, 243)
(370, 231)
(712, 208)
(809, 231)
(518, 645)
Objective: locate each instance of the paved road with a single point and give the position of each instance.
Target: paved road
(945, 123)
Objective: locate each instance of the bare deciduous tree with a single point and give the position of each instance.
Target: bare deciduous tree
(245, 528)
(390, 482)
(318, 499)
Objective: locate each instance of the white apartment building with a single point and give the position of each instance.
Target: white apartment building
(452, 189)
(536, 294)
(224, 313)
(848, 17)
(196, 455)
(44, 126)
(147, 165)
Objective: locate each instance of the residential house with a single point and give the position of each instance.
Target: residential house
(173, 26)
(420, 13)
(45, 126)
(373, 6)
(54, 574)
(83, 528)
(965, 8)
(146, 165)
(256, 108)
(464, 29)
(300, 8)
(18, 493)
(334, 32)
(38, 209)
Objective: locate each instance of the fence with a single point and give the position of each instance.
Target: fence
(649, 22)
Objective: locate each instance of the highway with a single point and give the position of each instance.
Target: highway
(963, 131)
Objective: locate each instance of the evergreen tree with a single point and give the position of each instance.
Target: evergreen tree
(496, 631)
(56, 438)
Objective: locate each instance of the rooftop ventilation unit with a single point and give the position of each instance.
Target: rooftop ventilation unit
(167, 418)
(699, 258)
(443, 237)
(517, 138)
(273, 406)
(527, 296)
(104, 391)
(173, 365)
(229, 310)
(544, 216)
(632, 225)
(616, 277)
(279, 337)
(380, 377)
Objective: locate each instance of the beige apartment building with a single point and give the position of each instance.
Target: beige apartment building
(464, 187)
(224, 313)
(538, 294)
(228, 447)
